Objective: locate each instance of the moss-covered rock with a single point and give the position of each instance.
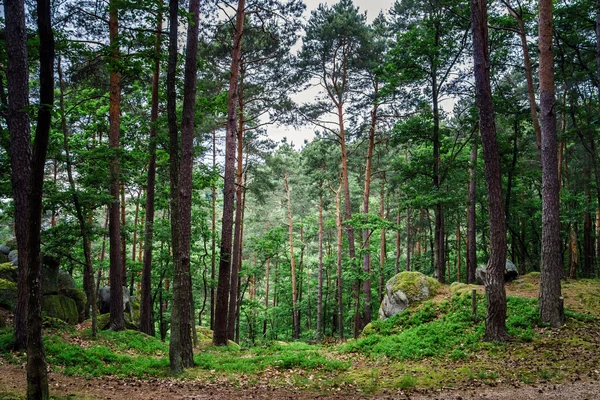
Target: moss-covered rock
(3, 258)
(134, 324)
(61, 307)
(404, 289)
(8, 294)
(51, 322)
(8, 272)
(80, 300)
(461, 289)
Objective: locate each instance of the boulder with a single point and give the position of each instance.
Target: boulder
(8, 294)
(406, 288)
(64, 281)
(461, 289)
(80, 300)
(50, 270)
(4, 249)
(510, 273)
(8, 272)
(104, 298)
(13, 257)
(61, 307)
(4, 259)
(132, 318)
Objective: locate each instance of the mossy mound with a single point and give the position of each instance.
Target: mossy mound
(461, 289)
(61, 307)
(204, 334)
(8, 272)
(8, 294)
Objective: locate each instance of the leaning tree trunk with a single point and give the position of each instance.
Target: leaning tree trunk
(181, 315)
(551, 302)
(117, 318)
(146, 299)
(220, 325)
(17, 77)
(495, 322)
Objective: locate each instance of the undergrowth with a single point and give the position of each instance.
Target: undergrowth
(442, 329)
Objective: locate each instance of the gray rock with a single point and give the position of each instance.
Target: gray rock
(13, 257)
(65, 281)
(4, 249)
(50, 270)
(404, 289)
(510, 273)
(104, 298)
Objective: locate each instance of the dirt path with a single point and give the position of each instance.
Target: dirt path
(12, 380)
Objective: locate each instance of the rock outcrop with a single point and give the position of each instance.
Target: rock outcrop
(404, 289)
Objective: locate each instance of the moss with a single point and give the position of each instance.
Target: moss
(80, 300)
(8, 293)
(533, 274)
(204, 334)
(61, 307)
(368, 329)
(104, 321)
(8, 272)
(415, 285)
(461, 289)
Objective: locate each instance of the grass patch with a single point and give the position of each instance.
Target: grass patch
(442, 329)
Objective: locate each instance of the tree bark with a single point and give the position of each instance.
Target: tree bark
(146, 300)
(295, 316)
(220, 326)
(551, 302)
(213, 254)
(117, 319)
(340, 292)
(382, 243)
(495, 322)
(181, 315)
(320, 278)
(17, 77)
(472, 218)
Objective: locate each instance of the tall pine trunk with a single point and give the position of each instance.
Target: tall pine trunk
(295, 316)
(320, 273)
(146, 299)
(495, 321)
(472, 218)
(551, 302)
(220, 325)
(17, 77)
(181, 315)
(117, 319)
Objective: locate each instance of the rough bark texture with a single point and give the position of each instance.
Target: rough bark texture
(175, 360)
(551, 302)
(20, 151)
(495, 321)
(472, 218)
(37, 374)
(213, 255)
(117, 319)
(146, 295)
(220, 325)
(182, 295)
(340, 292)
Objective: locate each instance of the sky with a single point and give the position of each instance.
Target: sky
(298, 136)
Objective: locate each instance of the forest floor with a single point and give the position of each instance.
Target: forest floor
(539, 363)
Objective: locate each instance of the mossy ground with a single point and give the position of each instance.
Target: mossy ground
(437, 344)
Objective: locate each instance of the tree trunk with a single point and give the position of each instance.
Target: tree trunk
(117, 320)
(213, 251)
(220, 326)
(237, 233)
(17, 77)
(292, 261)
(397, 264)
(551, 302)
(366, 232)
(181, 315)
(89, 286)
(320, 278)
(123, 241)
(146, 301)
(382, 243)
(495, 322)
(472, 218)
(338, 224)
(267, 264)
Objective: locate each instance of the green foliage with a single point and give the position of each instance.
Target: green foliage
(441, 329)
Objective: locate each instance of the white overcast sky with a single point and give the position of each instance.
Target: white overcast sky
(297, 136)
